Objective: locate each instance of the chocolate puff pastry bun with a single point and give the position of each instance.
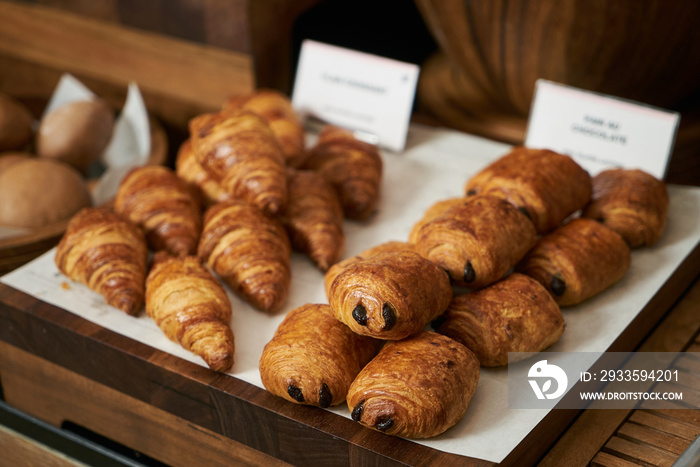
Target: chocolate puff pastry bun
(313, 357)
(545, 185)
(477, 241)
(390, 296)
(516, 314)
(577, 260)
(631, 202)
(416, 387)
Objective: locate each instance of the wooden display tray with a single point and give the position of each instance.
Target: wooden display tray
(225, 407)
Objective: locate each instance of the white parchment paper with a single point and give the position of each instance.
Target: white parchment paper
(435, 166)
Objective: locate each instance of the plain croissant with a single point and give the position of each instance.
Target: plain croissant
(249, 251)
(107, 253)
(276, 109)
(240, 151)
(314, 218)
(353, 167)
(191, 307)
(154, 198)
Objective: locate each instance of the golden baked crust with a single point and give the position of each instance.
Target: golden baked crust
(107, 253)
(416, 388)
(154, 198)
(314, 218)
(433, 212)
(353, 167)
(516, 314)
(341, 266)
(390, 295)
(631, 202)
(276, 109)
(191, 307)
(313, 357)
(240, 151)
(477, 241)
(577, 260)
(199, 180)
(249, 251)
(544, 184)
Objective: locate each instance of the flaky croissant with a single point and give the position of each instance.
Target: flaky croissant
(107, 253)
(577, 260)
(516, 314)
(313, 357)
(545, 185)
(341, 266)
(156, 199)
(191, 307)
(249, 251)
(390, 296)
(189, 169)
(313, 217)
(353, 167)
(276, 109)
(416, 388)
(477, 241)
(631, 202)
(240, 151)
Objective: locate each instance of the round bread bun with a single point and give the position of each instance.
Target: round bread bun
(76, 133)
(11, 157)
(36, 192)
(15, 124)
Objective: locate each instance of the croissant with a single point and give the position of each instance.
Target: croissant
(313, 357)
(577, 260)
(353, 167)
(199, 180)
(631, 202)
(240, 151)
(249, 251)
(191, 307)
(276, 109)
(515, 314)
(313, 217)
(155, 199)
(341, 266)
(417, 387)
(545, 185)
(390, 295)
(108, 254)
(477, 241)
(433, 212)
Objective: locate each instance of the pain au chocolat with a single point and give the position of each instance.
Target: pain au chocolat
(390, 295)
(417, 387)
(631, 202)
(477, 241)
(313, 357)
(545, 185)
(577, 260)
(516, 314)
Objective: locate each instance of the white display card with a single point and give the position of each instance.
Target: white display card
(366, 93)
(601, 131)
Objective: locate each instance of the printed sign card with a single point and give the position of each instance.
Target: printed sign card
(600, 131)
(369, 94)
